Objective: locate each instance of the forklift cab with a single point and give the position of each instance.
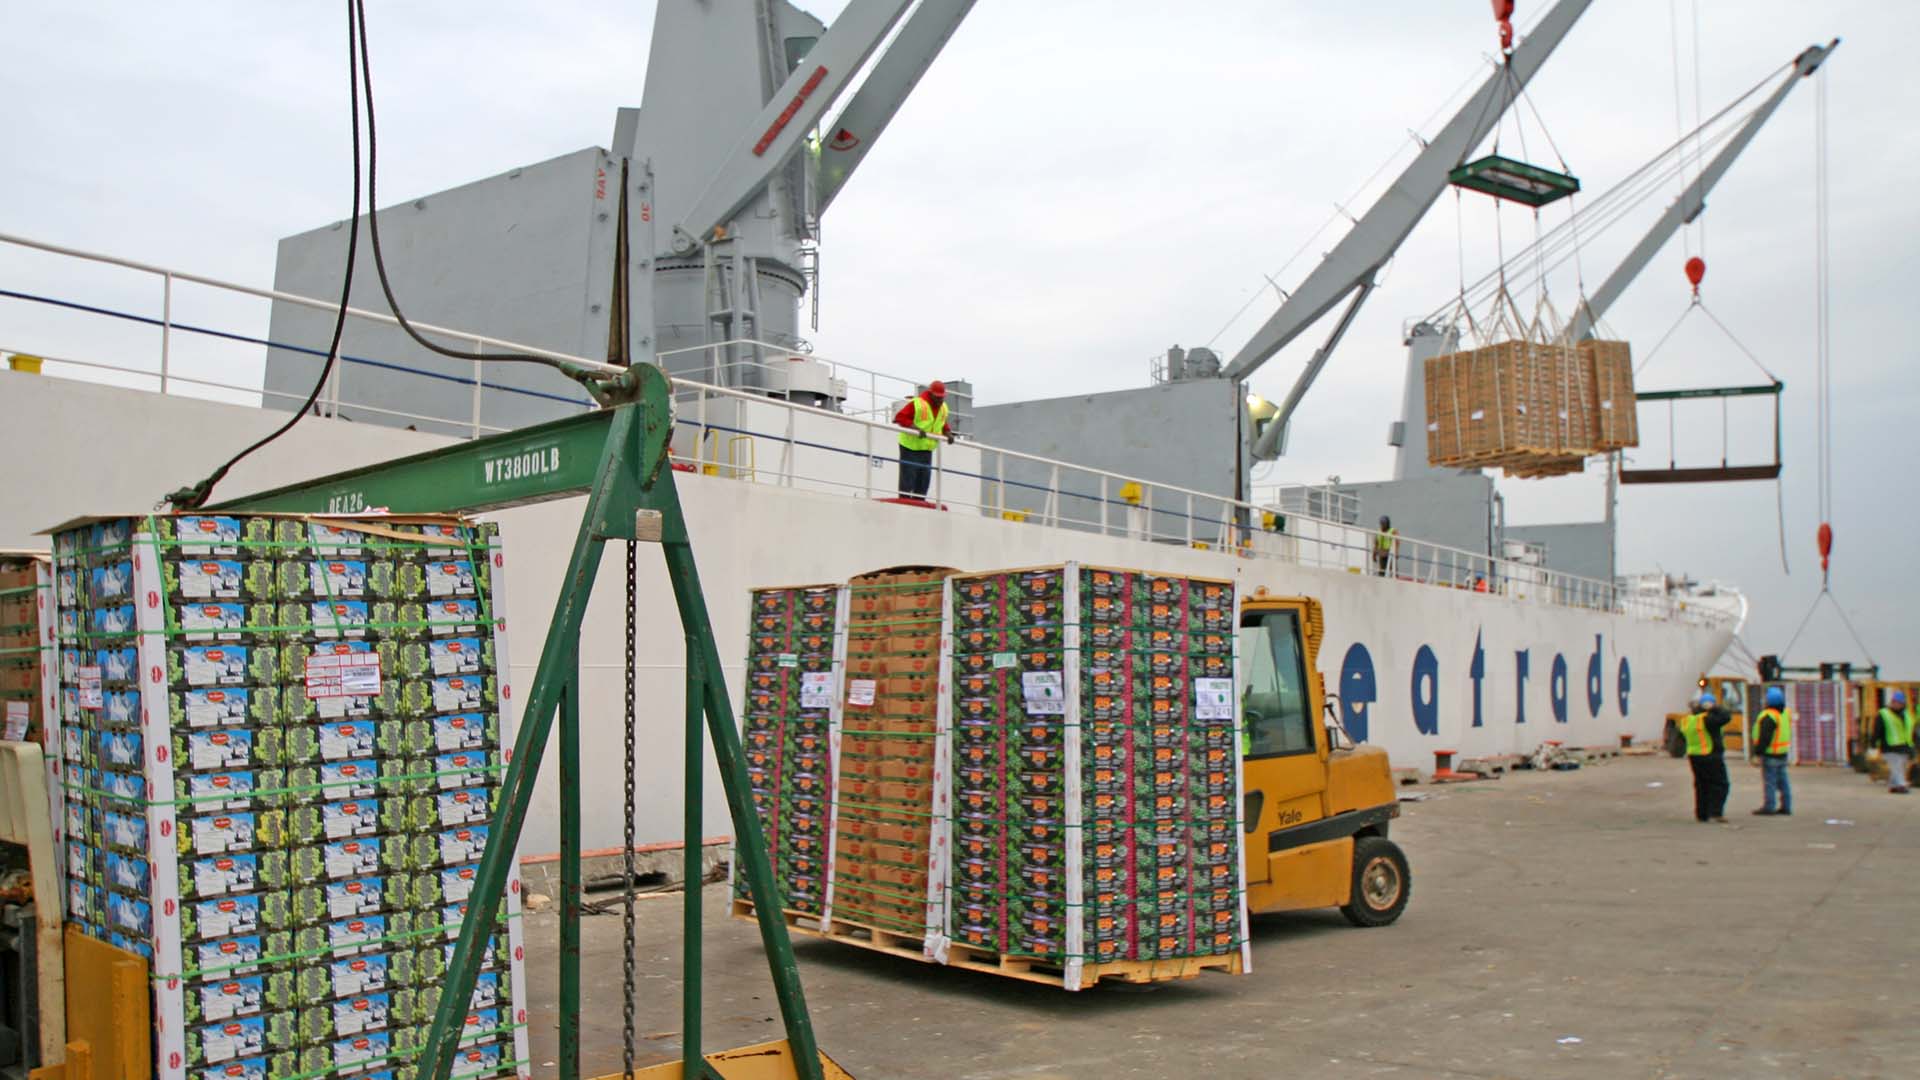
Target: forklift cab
(1317, 808)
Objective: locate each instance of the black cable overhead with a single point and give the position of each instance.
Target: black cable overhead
(359, 82)
(357, 11)
(196, 495)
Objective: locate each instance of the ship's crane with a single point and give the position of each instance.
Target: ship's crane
(796, 108)
(1349, 270)
(1694, 199)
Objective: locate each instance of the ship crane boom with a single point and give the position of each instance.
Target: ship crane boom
(1694, 199)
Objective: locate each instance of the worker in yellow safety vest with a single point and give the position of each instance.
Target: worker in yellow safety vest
(926, 419)
(1894, 737)
(1384, 545)
(1702, 729)
(1772, 740)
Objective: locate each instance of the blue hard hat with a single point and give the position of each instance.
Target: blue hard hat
(1775, 697)
(1899, 698)
(1707, 700)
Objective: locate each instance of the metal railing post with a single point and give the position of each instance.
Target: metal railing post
(939, 470)
(1053, 496)
(479, 381)
(166, 328)
(786, 479)
(867, 464)
(1189, 519)
(1104, 528)
(333, 391)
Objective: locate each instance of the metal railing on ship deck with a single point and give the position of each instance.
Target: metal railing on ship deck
(825, 450)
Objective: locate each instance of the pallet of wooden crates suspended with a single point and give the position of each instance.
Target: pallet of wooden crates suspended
(1533, 406)
(1516, 402)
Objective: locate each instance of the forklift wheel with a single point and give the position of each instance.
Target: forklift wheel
(1381, 882)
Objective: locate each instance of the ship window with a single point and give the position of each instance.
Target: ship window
(797, 49)
(1273, 695)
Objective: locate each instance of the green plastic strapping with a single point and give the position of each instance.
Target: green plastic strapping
(260, 793)
(309, 954)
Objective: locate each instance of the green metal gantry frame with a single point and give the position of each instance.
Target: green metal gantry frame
(618, 457)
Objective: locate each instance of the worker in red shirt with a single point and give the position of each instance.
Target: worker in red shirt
(925, 417)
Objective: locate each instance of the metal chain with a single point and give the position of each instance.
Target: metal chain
(627, 782)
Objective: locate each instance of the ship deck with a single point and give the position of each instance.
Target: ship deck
(1547, 908)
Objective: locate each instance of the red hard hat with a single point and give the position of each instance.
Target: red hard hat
(937, 388)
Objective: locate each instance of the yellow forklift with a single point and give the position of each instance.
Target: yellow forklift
(1317, 806)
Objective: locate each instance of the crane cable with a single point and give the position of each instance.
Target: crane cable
(359, 14)
(359, 82)
(195, 496)
(1823, 361)
(1608, 209)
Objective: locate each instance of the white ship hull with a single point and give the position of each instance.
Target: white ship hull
(1417, 667)
(1402, 657)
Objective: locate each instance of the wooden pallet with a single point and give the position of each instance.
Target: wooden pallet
(1041, 970)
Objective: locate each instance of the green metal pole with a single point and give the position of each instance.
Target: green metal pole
(693, 868)
(570, 893)
(751, 845)
(609, 512)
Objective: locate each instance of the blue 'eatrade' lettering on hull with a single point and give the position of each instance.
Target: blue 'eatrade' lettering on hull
(1359, 686)
(1357, 691)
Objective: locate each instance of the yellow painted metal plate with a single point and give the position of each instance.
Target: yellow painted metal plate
(766, 1061)
(110, 1007)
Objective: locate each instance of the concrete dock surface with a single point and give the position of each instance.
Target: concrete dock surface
(1565, 925)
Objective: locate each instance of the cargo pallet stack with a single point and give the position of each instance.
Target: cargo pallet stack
(1037, 775)
(883, 804)
(786, 732)
(280, 740)
(26, 643)
(1095, 826)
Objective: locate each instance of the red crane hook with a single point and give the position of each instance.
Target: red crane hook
(1503, 14)
(1826, 545)
(1696, 272)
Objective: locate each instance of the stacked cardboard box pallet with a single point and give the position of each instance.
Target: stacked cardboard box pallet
(883, 802)
(1038, 775)
(1532, 408)
(25, 645)
(786, 732)
(1096, 771)
(280, 741)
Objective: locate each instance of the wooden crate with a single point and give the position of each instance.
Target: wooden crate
(1618, 420)
(1520, 405)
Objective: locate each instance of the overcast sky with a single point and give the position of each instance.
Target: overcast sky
(1077, 185)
